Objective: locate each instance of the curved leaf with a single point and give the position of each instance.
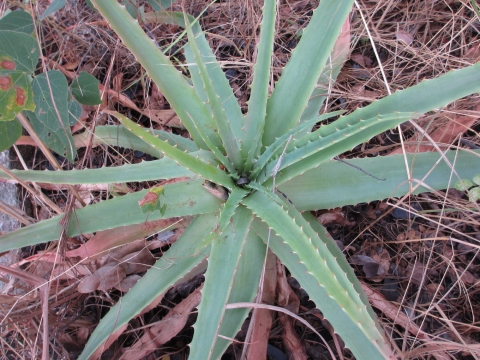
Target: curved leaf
(222, 264)
(331, 281)
(300, 75)
(181, 199)
(334, 184)
(171, 267)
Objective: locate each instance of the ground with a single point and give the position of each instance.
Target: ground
(417, 257)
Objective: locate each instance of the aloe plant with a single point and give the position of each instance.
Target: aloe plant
(254, 177)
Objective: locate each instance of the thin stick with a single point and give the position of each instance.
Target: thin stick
(15, 213)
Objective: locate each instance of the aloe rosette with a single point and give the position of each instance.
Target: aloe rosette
(274, 168)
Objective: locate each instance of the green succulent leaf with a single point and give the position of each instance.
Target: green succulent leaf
(173, 266)
(214, 100)
(169, 80)
(10, 131)
(181, 199)
(15, 94)
(359, 342)
(257, 105)
(18, 51)
(116, 135)
(222, 264)
(211, 173)
(20, 21)
(51, 120)
(164, 169)
(85, 89)
(299, 77)
(244, 289)
(334, 184)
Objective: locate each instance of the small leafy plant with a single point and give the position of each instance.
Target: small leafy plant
(254, 177)
(472, 188)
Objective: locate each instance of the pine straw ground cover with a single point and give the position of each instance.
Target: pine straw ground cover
(417, 257)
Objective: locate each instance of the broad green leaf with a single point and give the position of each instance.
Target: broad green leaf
(85, 89)
(18, 51)
(299, 78)
(357, 341)
(476, 179)
(209, 172)
(222, 264)
(474, 194)
(20, 21)
(244, 289)
(288, 223)
(55, 5)
(219, 115)
(334, 184)
(181, 199)
(74, 112)
(51, 120)
(164, 169)
(463, 184)
(10, 131)
(175, 263)
(257, 104)
(15, 94)
(180, 95)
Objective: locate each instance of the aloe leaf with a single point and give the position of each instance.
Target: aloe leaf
(426, 96)
(299, 78)
(51, 120)
(222, 264)
(257, 104)
(330, 279)
(244, 289)
(334, 184)
(172, 266)
(115, 135)
(276, 148)
(10, 131)
(181, 199)
(219, 115)
(169, 80)
(222, 87)
(20, 49)
(340, 134)
(215, 150)
(15, 94)
(20, 21)
(231, 205)
(85, 89)
(209, 172)
(329, 74)
(163, 169)
(359, 342)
